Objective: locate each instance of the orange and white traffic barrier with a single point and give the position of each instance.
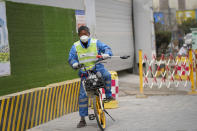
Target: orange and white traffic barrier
(174, 72)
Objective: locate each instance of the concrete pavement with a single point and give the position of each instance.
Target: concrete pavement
(156, 113)
(129, 85)
(168, 110)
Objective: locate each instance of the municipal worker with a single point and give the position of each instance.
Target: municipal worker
(84, 52)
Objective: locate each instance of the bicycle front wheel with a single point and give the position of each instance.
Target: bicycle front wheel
(99, 113)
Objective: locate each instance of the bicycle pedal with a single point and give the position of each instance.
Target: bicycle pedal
(91, 116)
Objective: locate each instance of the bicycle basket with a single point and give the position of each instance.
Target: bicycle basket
(94, 83)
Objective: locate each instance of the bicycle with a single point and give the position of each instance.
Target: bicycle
(93, 82)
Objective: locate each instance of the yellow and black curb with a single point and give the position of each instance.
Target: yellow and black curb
(37, 106)
(27, 109)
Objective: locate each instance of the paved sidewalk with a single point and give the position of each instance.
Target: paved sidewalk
(156, 113)
(129, 85)
(163, 110)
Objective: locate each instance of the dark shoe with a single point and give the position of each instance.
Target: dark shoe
(81, 124)
(108, 99)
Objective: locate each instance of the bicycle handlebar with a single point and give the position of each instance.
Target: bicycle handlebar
(122, 57)
(100, 58)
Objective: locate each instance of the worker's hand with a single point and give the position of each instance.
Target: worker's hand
(75, 65)
(105, 56)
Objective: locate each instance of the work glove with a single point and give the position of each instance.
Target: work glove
(105, 56)
(75, 65)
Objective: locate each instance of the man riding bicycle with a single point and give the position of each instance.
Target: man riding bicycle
(84, 52)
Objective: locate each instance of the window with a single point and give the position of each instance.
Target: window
(163, 4)
(181, 4)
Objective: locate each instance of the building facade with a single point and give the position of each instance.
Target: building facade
(159, 5)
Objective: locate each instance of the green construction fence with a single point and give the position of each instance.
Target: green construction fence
(40, 38)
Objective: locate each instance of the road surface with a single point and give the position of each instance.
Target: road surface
(155, 113)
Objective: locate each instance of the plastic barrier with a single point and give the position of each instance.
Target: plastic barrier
(176, 72)
(114, 86)
(114, 90)
(182, 71)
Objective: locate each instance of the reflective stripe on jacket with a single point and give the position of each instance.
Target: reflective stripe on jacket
(87, 56)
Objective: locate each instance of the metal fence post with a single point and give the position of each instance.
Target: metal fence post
(141, 94)
(193, 90)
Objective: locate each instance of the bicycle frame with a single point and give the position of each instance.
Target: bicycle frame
(92, 83)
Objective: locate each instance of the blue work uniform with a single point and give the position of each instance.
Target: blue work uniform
(73, 58)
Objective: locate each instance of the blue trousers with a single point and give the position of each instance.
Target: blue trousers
(83, 99)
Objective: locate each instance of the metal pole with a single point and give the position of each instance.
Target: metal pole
(170, 25)
(141, 72)
(191, 74)
(196, 66)
(141, 95)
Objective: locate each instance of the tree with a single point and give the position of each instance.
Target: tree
(187, 25)
(163, 38)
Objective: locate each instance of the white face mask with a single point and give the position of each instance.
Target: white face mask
(84, 38)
